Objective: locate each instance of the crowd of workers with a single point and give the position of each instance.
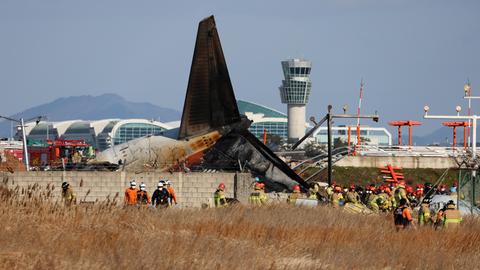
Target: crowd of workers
(397, 198)
(163, 197)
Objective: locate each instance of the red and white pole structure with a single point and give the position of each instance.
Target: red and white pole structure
(358, 113)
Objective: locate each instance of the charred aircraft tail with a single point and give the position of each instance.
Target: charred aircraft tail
(210, 102)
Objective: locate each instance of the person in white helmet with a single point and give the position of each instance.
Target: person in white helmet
(143, 199)
(131, 194)
(160, 197)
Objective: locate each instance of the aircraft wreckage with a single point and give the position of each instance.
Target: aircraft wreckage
(212, 131)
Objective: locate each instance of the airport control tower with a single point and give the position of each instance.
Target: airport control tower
(295, 91)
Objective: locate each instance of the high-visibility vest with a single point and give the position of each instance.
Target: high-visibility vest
(258, 197)
(219, 198)
(451, 217)
(292, 198)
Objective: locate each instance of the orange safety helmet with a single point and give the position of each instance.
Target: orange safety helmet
(296, 188)
(409, 189)
(221, 186)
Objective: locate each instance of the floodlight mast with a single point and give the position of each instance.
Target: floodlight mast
(472, 118)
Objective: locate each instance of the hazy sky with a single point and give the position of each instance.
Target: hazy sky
(408, 52)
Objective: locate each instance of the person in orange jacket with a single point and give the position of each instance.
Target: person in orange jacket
(131, 194)
(171, 190)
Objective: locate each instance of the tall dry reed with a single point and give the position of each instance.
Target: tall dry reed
(40, 233)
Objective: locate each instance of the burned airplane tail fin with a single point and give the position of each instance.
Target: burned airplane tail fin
(210, 102)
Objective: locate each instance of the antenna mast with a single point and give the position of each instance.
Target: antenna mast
(358, 115)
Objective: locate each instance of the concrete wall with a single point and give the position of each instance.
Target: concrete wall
(404, 162)
(192, 189)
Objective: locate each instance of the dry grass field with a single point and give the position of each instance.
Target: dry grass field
(39, 234)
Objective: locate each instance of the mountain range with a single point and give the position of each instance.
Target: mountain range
(89, 107)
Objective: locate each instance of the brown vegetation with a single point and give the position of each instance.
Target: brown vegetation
(39, 234)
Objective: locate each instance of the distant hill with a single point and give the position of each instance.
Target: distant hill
(94, 108)
(442, 136)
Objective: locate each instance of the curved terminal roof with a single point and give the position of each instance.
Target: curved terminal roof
(246, 106)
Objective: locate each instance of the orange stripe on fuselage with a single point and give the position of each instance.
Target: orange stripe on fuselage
(197, 147)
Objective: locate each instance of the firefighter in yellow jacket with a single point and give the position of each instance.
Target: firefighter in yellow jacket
(424, 215)
(258, 196)
(292, 198)
(68, 196)
(337, 199)
(451, 216)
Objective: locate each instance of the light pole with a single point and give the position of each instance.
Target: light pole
(473, 164)
(24, 136)
(472, 118)
(24, 139)
(468, 93)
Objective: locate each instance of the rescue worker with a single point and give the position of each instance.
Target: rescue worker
(68, 195)
(451, 216)
(258, 196)
(329, 191)
(439, 217)
(402, 216)
(383, 200)
(131, 194)
(374, 201)
(160, 197)
(411, 196)
(401, 193)
(143, 199)
(428, 190)
(391, 198)
(337, 199)
(453, 190)
(424, 215)
(312, 194)
(419, 191)
(171, 190)
(442, 189)
(219, 196)
(292, 198)
(352, 195)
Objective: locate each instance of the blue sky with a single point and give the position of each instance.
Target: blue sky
(408, 52)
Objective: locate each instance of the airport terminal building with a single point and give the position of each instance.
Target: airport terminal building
(101, 134)
(264, 118)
